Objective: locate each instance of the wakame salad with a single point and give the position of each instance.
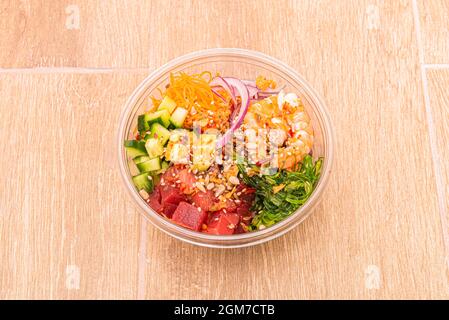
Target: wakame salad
(223, 155)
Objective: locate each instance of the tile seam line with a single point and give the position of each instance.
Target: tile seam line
(432, 134)
(50, 70)
(436, 65)
(46, 70)
(142, 259)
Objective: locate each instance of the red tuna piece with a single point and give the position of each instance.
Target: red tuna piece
(230, 205)
(222, 223)
(204, 200)
(248, 195)
(189, 216)
(186, 181)
(155, 200)
(171, 195)
(169, 209)
(243, 210)
(170, 175)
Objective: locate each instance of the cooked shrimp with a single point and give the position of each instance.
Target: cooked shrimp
(293, 134)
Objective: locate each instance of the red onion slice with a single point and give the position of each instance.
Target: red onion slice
(221, 82)
(253, 92)
(244, 94)
(218, 94)
(250, 83)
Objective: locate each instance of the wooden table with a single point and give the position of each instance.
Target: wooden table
(68, 229)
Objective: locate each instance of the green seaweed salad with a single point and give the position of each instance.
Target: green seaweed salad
(281, 194)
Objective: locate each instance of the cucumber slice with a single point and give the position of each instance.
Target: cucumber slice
(142, 123)
(135, 148)
(165, 165)
(149, 165)
(178, 116)
(144, 181)
(162, 117)
(141, 159)
(159, 132)
(154, 148)
(167, 104)
(156, 178)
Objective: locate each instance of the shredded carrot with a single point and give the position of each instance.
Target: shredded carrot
(263, 83)
(193, 92)
(187, 90)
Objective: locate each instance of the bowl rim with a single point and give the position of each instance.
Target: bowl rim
(222, 241)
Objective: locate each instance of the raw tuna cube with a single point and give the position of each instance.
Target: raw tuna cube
(171, 195)
(244, 210)
(223, 223)
(187, 181)
(230, 205)
(189, 216)
(169, 209)
(204, 200)
(248, 195)
(170, 176)
(155, 200)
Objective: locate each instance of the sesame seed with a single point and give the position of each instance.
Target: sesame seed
(200, 186)
(199, 209)
(220, 190)
(234, 180)
(144, 194)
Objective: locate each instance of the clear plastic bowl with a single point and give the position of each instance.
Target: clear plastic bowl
(242, 64)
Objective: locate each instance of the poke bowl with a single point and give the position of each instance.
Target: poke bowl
(225, 148)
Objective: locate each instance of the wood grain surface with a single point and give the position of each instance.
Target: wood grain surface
(434, 16)
(439, 103)
(68, 230)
